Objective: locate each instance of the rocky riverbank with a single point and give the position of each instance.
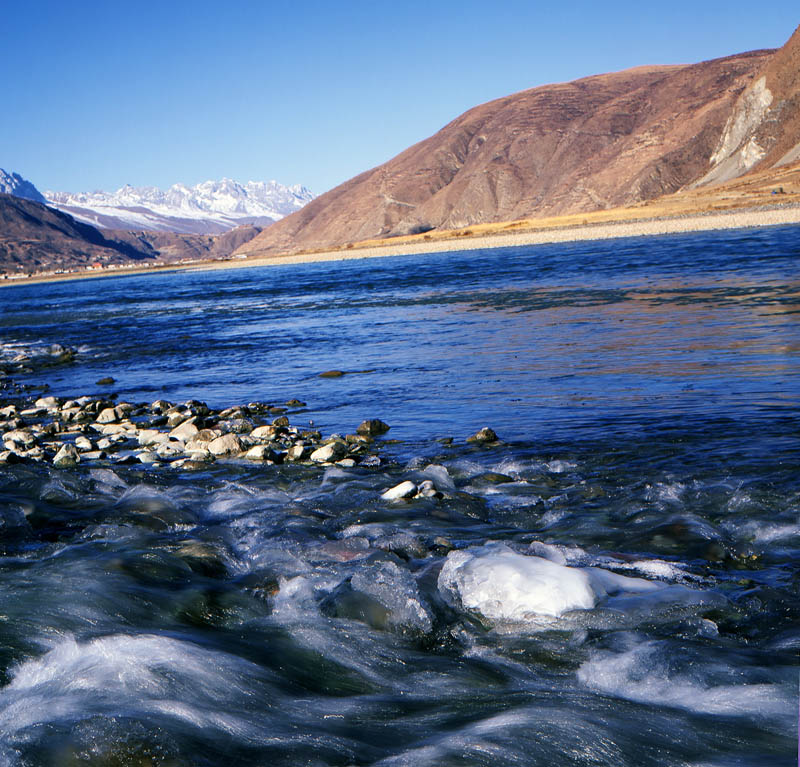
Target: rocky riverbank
(67, 431)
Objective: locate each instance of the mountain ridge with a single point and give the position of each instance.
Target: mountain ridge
(595, 143)
(210, 207)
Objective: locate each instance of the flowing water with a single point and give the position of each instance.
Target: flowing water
(614, 583)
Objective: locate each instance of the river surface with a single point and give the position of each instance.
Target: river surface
(614, 583)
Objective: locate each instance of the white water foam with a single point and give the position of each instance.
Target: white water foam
(641, 674)
(142, 674)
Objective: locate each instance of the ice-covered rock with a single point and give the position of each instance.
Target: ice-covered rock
(504, 586)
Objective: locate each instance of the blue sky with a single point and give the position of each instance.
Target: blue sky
(99, 94)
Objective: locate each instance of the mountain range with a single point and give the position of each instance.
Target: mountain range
(596, 143)
(37, 238)
(211, 207)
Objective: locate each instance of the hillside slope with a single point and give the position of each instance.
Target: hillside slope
(597, 143)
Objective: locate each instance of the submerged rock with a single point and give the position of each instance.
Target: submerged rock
(373, 427)
(484, 435)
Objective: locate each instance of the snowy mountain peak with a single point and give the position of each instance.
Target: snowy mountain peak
(209, 207)
(13, 183)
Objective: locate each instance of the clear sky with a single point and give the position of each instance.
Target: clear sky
(95, 95)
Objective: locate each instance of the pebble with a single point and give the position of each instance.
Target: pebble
(329, 452)
(185, 431)
(428, 490)
(405, 489)
(260, 453)
(163, 433)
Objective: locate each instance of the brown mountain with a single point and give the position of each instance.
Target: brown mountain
(592, 144)
(37, 238)
(763, 129)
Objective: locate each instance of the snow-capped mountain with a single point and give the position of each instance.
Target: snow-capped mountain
(13, 183)
(211, 207)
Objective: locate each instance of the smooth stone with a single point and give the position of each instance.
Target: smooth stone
(405, 489)
(8, 412)
(428, 490)
(297, 452)
(484, 435)
(151, 437)
(295, 403)
(146, 457)
(198, 444)
(169, 449)
(238, 425)
(264, 432)
(332, 374)
(70, 413)
(113, 428)
(329, 452)
(47, 402)
(33, 412)
(227, 444)
(346, 463)
(373, 427)
(20, 437)
(107, 381)
(84, 444)
(177, 417)
(185, 431)
(95, 455)
(281, 420)
(109, 415)
(199, 455)
(260, 453)
(67, 456)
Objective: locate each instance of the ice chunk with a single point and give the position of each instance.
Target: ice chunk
(502, 585)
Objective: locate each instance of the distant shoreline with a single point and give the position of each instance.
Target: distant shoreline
(736, 219)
